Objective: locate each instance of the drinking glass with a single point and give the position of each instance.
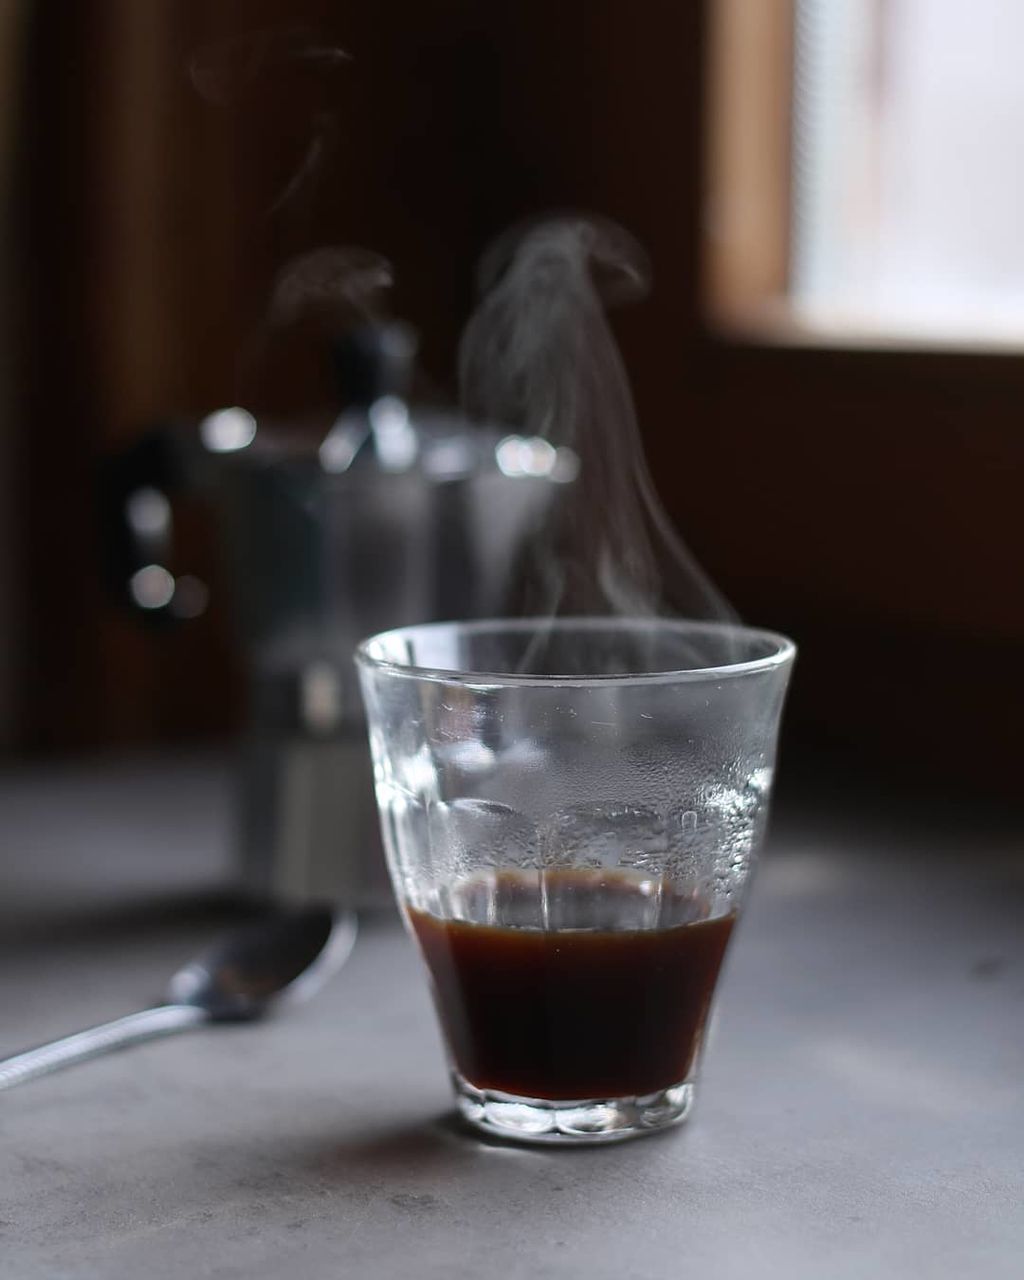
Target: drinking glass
(570, 810)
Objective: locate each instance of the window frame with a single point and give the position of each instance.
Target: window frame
(747, 206)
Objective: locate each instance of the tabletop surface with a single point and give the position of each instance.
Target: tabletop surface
(861, 1112)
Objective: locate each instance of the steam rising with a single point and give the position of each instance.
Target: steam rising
(538, 355)
(222, 73)
(336, 280)
(228, 73)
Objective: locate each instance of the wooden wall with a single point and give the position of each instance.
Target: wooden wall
(865, 501)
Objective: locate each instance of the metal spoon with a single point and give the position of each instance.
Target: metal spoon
(288, 955)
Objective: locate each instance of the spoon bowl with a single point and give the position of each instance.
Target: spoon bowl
(287, 955)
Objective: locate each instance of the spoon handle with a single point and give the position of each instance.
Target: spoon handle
(90, 1044)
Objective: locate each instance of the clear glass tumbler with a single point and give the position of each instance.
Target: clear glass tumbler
(570, 811)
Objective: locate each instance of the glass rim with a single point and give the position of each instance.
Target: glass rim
(783, 650)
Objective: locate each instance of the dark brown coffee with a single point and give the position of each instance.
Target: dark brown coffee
(600, 1008)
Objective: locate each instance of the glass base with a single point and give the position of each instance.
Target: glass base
(504, 1115)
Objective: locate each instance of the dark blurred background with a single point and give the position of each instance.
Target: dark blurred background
(860, 493)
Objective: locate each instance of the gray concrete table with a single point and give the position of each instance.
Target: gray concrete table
(862, 1112)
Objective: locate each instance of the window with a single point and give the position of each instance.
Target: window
(897, 209)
